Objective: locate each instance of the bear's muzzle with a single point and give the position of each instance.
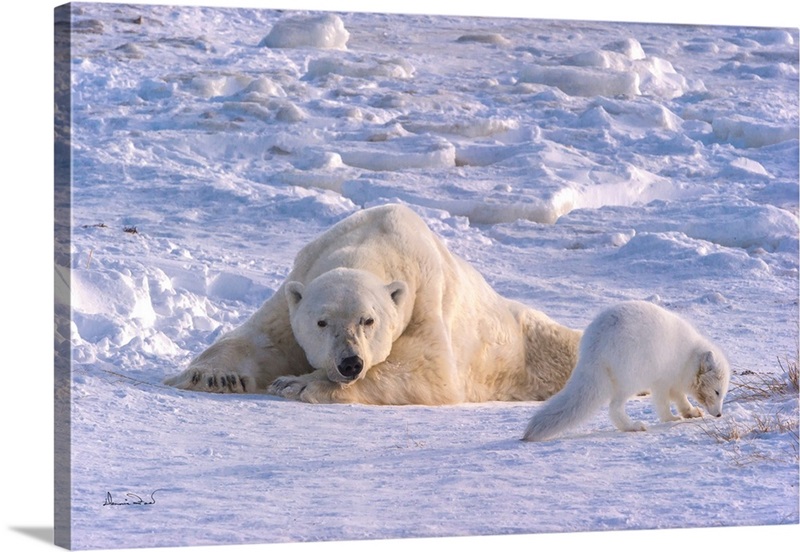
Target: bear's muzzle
(351, 367)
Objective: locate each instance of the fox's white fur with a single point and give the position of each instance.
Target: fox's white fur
(630, 348)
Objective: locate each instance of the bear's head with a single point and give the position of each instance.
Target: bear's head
(346, 320)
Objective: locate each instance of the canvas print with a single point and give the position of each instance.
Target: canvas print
(334, 276)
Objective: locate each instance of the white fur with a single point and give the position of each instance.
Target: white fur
(630, 348)
(377, 310)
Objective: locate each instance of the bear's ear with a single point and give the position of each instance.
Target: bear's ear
(294, 293)
(398, 291)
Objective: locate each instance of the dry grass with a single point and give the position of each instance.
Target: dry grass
(791, 373)
(734, 433)
(775, 422)
(752, 385)
(758, 387)
(410, 442)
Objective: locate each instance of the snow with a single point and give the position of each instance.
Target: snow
(574, 164)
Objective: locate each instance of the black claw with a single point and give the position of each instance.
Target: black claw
(244, 387)
(195, 378)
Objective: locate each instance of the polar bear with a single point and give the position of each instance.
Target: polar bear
(376, 310)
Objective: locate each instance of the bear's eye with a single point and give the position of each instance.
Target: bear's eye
(321, 323)
(368, 321)
(717, 392)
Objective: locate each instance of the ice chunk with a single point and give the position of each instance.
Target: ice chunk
(749, 133)
(315, 31)
(584, 81)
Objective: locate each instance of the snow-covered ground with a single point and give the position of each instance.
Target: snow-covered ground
(575, 164)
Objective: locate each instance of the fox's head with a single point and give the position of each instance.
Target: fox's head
(711, 383)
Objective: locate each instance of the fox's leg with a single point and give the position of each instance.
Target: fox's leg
(684, 406)
(616, 410)
(661, 403)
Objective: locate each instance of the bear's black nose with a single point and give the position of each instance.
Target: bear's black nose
(351, 367)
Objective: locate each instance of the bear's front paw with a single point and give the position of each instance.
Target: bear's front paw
(288, 387)
(310, 388)
(210, 381)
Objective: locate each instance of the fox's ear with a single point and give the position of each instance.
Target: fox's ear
(708, 362)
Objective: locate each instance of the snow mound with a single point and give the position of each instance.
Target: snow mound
(414, 152)
(619, 69)
(266, 87)
(741, 167)
(483, 155)
(584, 81)
(212, 86)
(759, 71)
(112, 294)
(672, 251)
(395, 68)
(614, 114)
(317, 31)
(234, 287)
(236, 87)
(467, 128)
(629, 47)
(746, 226)
(152, 90)
(479, 207)
(745, 132)
(771, 37)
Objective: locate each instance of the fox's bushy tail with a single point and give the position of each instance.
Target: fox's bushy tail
(582, 395)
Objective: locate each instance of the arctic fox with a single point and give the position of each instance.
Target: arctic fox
(629, 348)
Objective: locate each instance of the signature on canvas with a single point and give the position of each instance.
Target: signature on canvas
(131, 500)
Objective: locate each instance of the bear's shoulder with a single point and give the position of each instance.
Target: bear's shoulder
(360, 228)
(393, 218)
